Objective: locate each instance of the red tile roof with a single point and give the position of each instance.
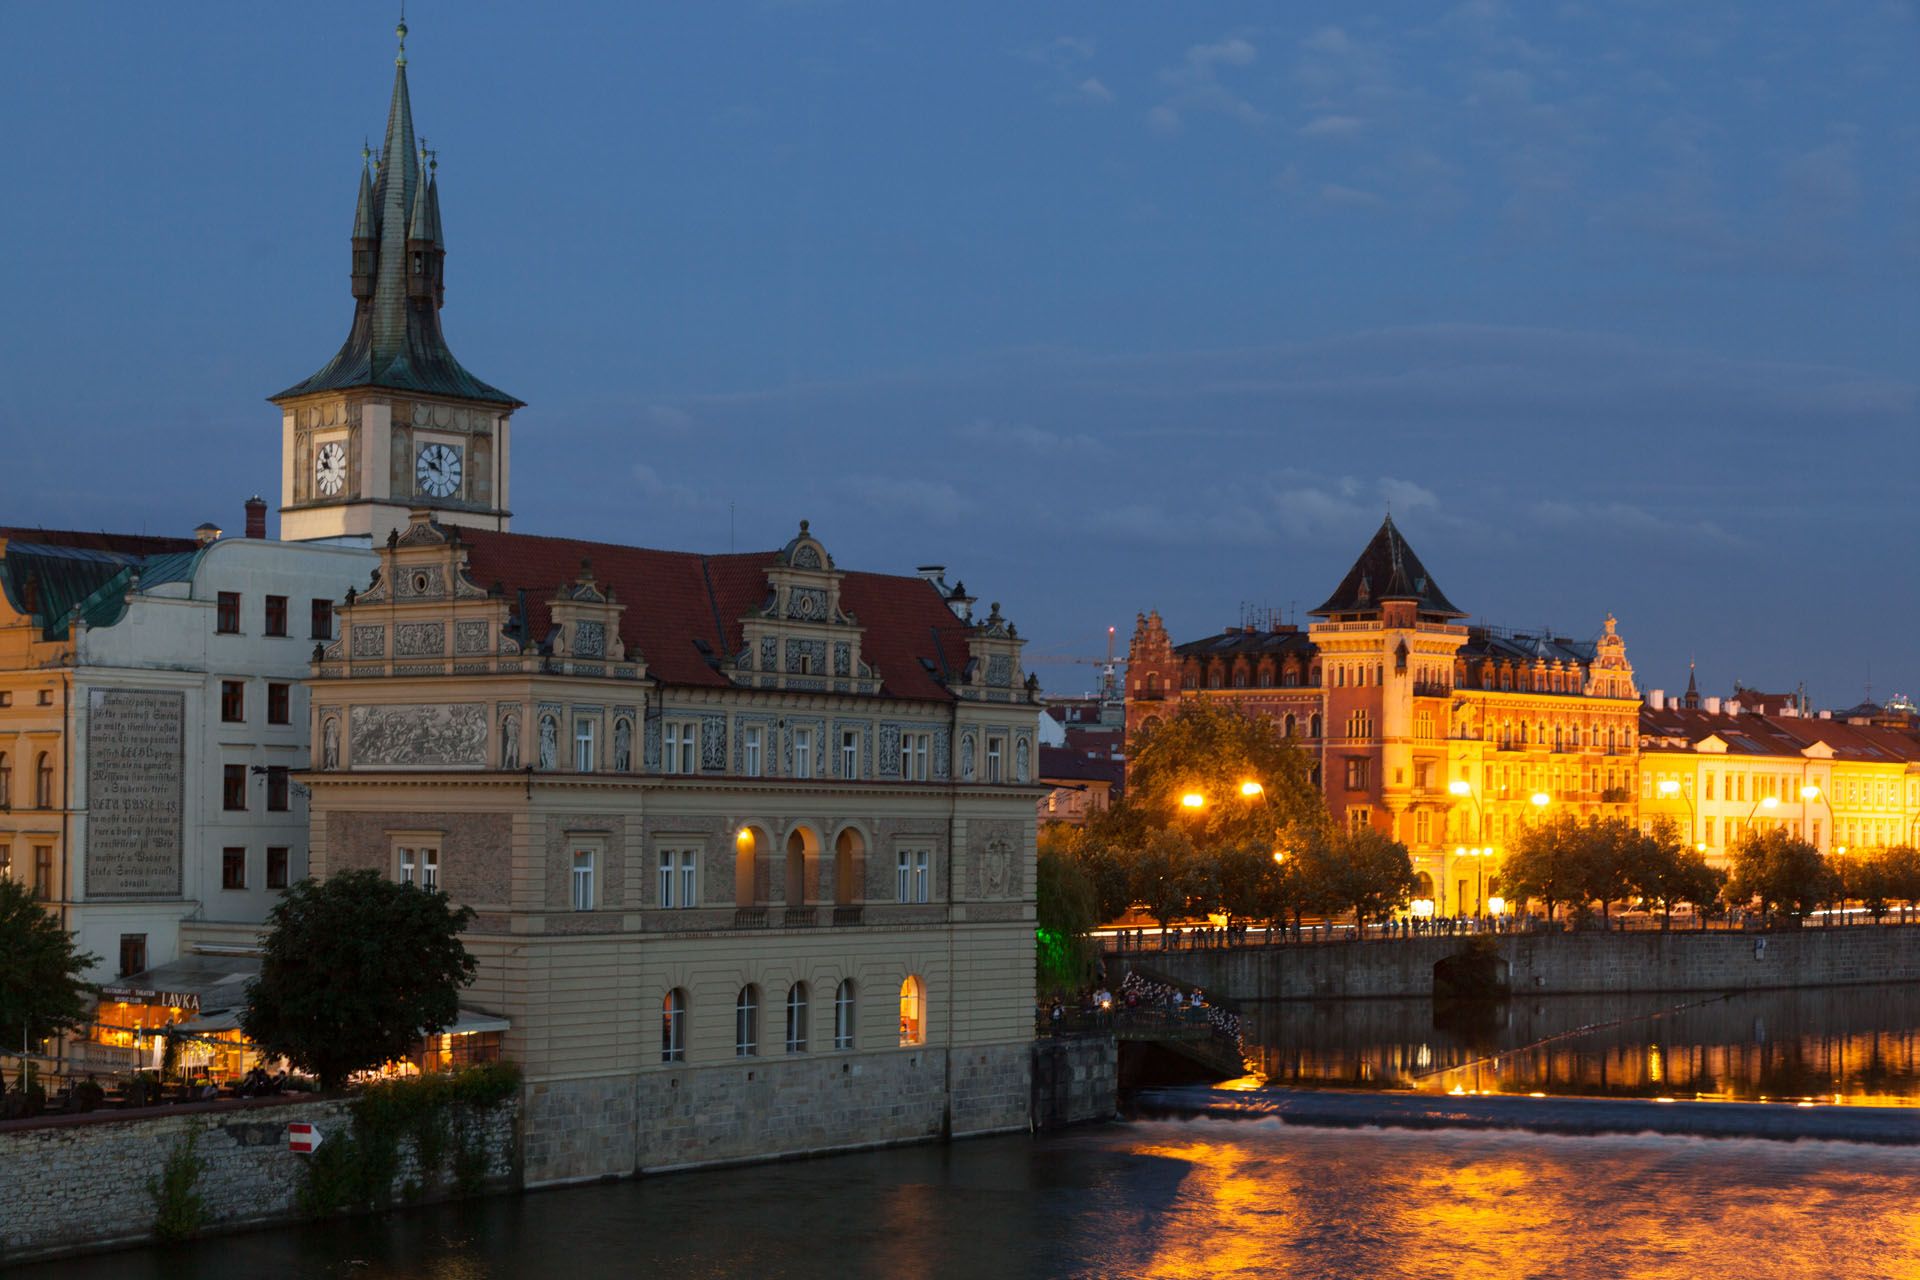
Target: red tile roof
(1749, 734)
(130, 544)
(677, 600)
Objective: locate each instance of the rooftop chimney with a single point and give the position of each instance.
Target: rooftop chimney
(934, 573)
(1733, 706)
(256, 517)
(1711, 705)
(1657, 699)
(207, 533)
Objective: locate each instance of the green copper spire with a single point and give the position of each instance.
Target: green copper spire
(396, 340)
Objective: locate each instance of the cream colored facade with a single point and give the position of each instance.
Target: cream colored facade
(633, 843)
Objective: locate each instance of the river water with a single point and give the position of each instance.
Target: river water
(1253, 1197)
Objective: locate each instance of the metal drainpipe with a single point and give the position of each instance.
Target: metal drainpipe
(66, 808)
(953, 823)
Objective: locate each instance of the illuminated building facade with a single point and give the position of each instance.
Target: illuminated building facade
(1445, 736)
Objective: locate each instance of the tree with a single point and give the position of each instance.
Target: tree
(1666, 873)
(1244, 877)
(1782, 872)
(1104, 849)
(1214, 751)
(1364, 871)
(1066, 911)
(1900, 864)
(1868, 877)
(1543, 864)
(356, 969)
(1162, 874)
(43, 989)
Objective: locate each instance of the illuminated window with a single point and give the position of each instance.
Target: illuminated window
(746, 1022)
(843, 1014)
(673, 1027)
(797, 1018)
(913, 1012)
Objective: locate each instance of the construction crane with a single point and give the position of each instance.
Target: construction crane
(1109, 665)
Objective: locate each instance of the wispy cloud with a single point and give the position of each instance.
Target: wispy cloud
(935, 501)
(1195, 85)
(1332, 127)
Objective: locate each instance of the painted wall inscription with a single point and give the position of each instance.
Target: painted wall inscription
(135, 795)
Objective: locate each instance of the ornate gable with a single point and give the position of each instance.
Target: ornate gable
(800, 638)
(993, 672)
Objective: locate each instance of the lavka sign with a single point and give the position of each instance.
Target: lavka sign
(135, 792)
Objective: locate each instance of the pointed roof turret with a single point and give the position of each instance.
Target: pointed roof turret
(363, 209)
(1389, 560)
(395, 340)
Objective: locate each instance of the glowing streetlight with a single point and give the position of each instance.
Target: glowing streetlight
(1280, 855)
(1669, 787)
(1460, 787)
(1250, 789)
(1809, 792)
(1541, 799)
(1193, 800)
(1497, 905)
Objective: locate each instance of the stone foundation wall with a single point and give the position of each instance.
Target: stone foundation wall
(1075, 1079)
(1555, 964)
(767, 1108)
(81, 1182)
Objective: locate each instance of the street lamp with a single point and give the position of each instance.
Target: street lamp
(1540, 799)
(1810, 793)
(1251, 789)
(1670, 787)
(1193, 800)
(1479, 856)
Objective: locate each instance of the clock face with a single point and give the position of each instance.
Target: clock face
(437, 470)
(330, 468)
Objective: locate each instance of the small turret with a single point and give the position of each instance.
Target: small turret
(366, 239)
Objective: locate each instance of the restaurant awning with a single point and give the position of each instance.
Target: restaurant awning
(208, 984)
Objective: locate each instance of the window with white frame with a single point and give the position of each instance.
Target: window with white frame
(583, 753)
(849, 753)
(803, 753)
(429, 869)
(916, 755)
(797, 1018)
(912, 875)
(996, 753)
(750, 738)
(673, 1026)
(417, 863)
(583, 879)
(679, 878)
(680, 746)
(843, 1015)
(746, 1022)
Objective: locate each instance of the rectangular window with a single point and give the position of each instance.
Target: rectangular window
(277, 788)
(803, 753)
(1359, 817)
(750, 751)
(44, 697)
(276, 867)
(320, 620)
(689, 878)
(233, 868)
(679, 884)
(583, 879)
(6, 698)
(912, 872)
(849, 753)
(133, 953)
(1707, 833)
(233, 788)
(43, 872)
(276, 617)
(583, 756)
(1422, 826)
(429, 869)
(916, 756)
(226, 618)
(1422, 776)
(669, 862)
(1356, 774)
(279, 704)
(996, 751)
(233, 701)
(843, 1016)
(679, 746)
(1709, 791)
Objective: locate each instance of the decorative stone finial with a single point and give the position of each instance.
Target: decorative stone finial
(401, 32)
(803, 528)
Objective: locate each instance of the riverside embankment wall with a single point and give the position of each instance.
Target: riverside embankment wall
(80, 1182)
(1553, 963)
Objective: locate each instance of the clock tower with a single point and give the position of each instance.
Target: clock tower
(393, 422)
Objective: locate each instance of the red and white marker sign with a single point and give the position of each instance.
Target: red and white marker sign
(302, 1139)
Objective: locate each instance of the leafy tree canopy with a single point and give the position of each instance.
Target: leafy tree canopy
(356, 969)
(43, 990)
(1067, 910)
(1781, 872)
(1212, 751)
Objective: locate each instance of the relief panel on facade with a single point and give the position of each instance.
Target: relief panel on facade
(419, 639)
(996, 862)
(470, 637)
(369, 642)
(135, 796)
(419, 736)
(713, 744)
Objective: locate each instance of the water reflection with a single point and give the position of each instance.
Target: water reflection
(1178, 1199)
(1852, 1045)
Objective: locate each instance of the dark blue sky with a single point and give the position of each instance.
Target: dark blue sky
(1106, 307)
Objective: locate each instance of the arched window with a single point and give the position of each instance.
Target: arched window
(849, 868)
(913, 1012)
(803, 867)
(797, 1018)
(1423, 886)
(1213, 678)
(1293, 724)
(1240, 678)
(746, 1022)
(43, 782)
(1313, 726)
(673, 1027)
(1153, 684)
(748, 867)
(843, 1014)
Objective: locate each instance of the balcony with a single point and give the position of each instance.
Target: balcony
(749, 917)
(799, 918)
(843, 916)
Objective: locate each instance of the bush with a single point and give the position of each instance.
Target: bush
(179, 1210)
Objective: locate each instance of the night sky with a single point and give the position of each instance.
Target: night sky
(1106, 307)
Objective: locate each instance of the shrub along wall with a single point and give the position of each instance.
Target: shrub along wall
(105, 1178)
